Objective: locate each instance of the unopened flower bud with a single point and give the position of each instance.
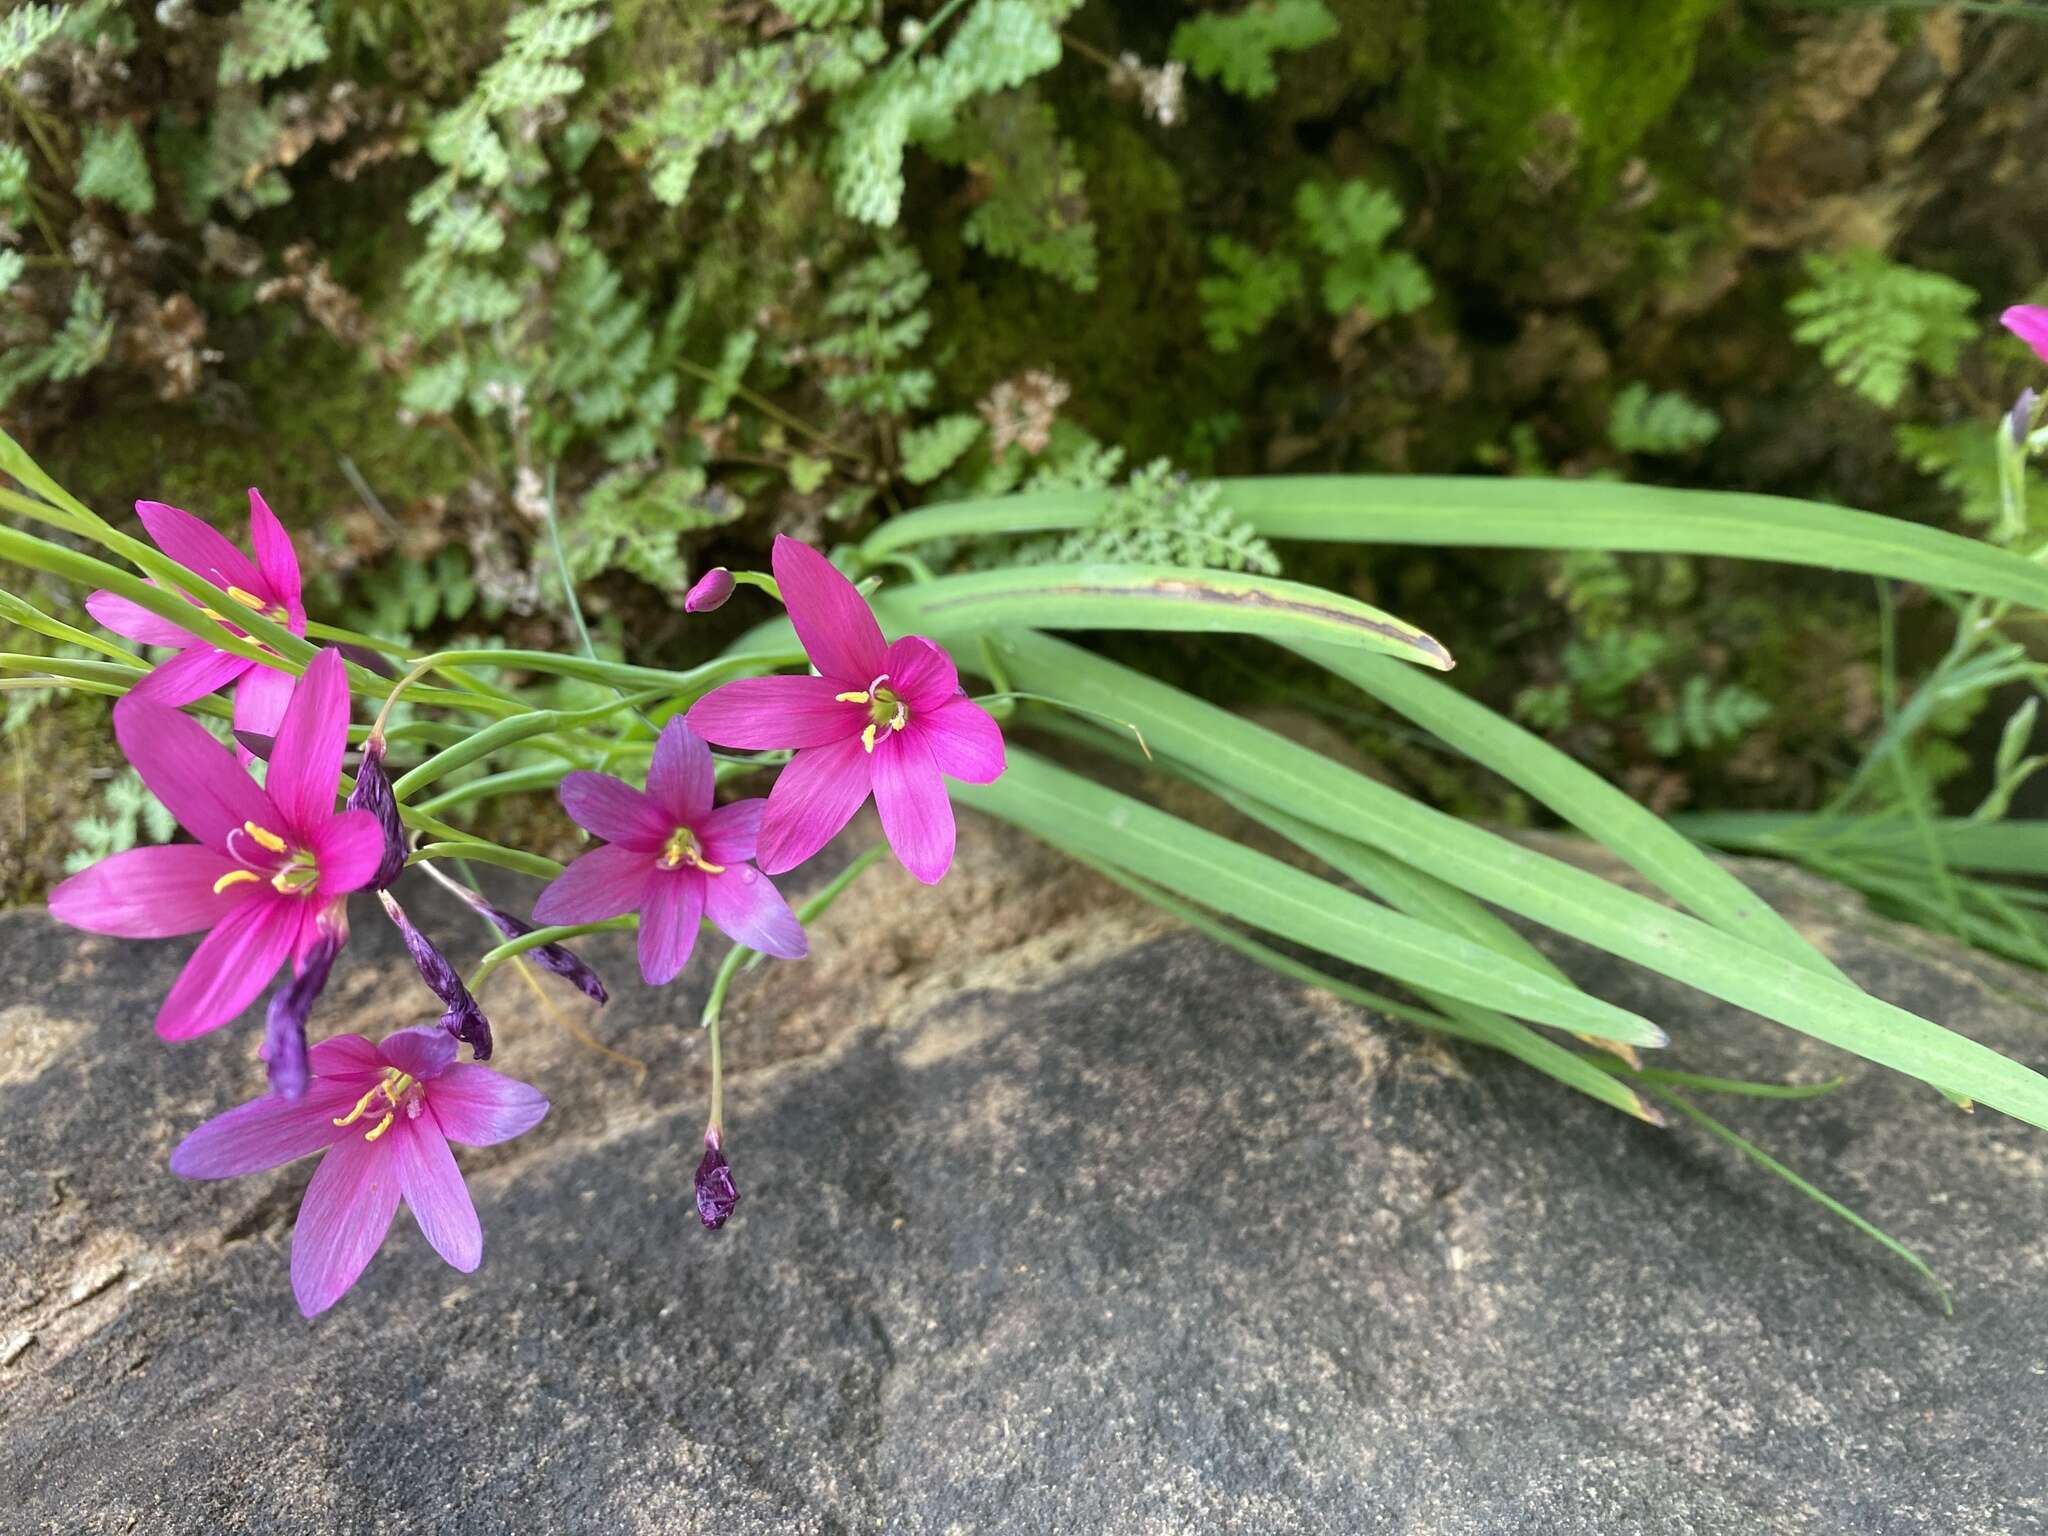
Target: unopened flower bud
(284, 1026)
(2021, 421)
(463, 1018)
(716, 1193)
(373, 794)
(711, 591)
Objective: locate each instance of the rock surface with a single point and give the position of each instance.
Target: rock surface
(1055, 1220)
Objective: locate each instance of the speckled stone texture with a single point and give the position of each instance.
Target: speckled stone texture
(1055, 1220)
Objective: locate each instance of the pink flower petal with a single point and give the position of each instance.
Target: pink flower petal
(615, 811)
(605, 882)
(260, 700)
(813, 798)
(743, 904)
(424, 1053)
(480, 1108)
(2029, 322)
(434, 1192)
(267, 1132)
(342, 1221)
(149, 893)
(345, 1056)
(920, 674)
(232, 965)
(833, 621)
(669, 914)
(197, 547)
(680, 781)
(192, 674)
(305, 761)
(765, 714)
(194, 775)
(730, 834)
(276, 560)
(132, 621)
(349, 850)
(964, 740)
(917, 818)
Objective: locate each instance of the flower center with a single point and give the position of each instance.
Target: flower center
(884, 708)
(398, 1091)
(290, 871)
(681, 848)
(275, 612)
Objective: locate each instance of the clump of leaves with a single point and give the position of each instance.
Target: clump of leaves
(127, 815)
(631, 521)
(1245, 292)
(1643, 421)
(880, 306)
(1034, 207)
(1875, 321)
(1349, 224)
(1237, 50)
(1706, 715)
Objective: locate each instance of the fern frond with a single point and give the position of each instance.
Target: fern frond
(1642, 422)
(269, 38)
(1237, 51)
(113, 168)
(1875, 321)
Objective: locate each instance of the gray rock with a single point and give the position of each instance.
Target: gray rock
(1055, 1220)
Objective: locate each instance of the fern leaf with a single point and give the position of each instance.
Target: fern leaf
(269, 38)
(1642, 422)
(24, 30)
(1247, 291)
(1350, 225)
(1237, 51)
(1875, 321)
(929, 451)
(112, 168)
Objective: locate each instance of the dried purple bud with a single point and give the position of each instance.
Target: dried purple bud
(256, 744)
(463, 1018)
(363, 656)
(716, 1194)
(2021, 421)
(549, 957)
(373, 794)
(284, 1026)
(711, 591)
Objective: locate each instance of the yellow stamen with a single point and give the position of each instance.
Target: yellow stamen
(858, 696)
(362, 1107)
(245, 598)
(867, 737)
(382, 1126)
(707, 866)
(264, 836)
(234, 877)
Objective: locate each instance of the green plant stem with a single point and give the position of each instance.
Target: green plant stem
(496, 957)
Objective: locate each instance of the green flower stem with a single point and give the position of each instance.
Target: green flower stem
(690, 684)
(462, 847)
(505, 733)
(31, 617)
(511, 781)
(739, 955)
(513, 947)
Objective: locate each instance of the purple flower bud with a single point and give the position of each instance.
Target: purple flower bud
(256, 744)
(711, 591)
(363, 656)
(284, 1026)
(373, 794)
(549, 957)
(2021, 421)
(716, 1194)
(463, 1018)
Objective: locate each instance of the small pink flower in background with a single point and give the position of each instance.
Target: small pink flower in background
(268, 866)
(2029, 322)
(268, 585)
(385, 1114)
(711, 591)
(886, 719)
(672, 858)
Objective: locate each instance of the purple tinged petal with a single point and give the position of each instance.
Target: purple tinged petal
(917, 818)
(964, 740)
(717, 1195)
(284, 1026)
(711, 591)
(813, 798)
(305, 762)
(920, 673)
(2029, 322)
(197, 547)
(342, 1221)
(833, 621)
(669, 914)
(349, 850)
(149, 893)
(434, 1192)
(614, 810)
(424, 1053)
(605, 882)
(743, 904)
(372, 794)
(480, 1108)
(346, 1056)
(766, 714)
(231, 966)
(730, 834)
(261, 698)
(132, 621)
(266, 1133)
(276, 560)
(680, 779)
(191, 674)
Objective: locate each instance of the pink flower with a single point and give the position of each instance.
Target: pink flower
(2029, 322)
(385, 1115)
(890, 719)
(269, 585)
(672, 858)
(268, 864)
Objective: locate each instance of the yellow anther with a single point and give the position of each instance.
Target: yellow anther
(234, 877)
(264, 836)
(382, 1126)
(246, 599)
(858, 696)
(707, 866)
(867, 737)
(362, 1107)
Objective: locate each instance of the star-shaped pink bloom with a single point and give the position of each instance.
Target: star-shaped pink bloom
(886, 719)
(2029, 322)
(385, 1114)
(269, 585)
(672, 858)
(268, 863)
